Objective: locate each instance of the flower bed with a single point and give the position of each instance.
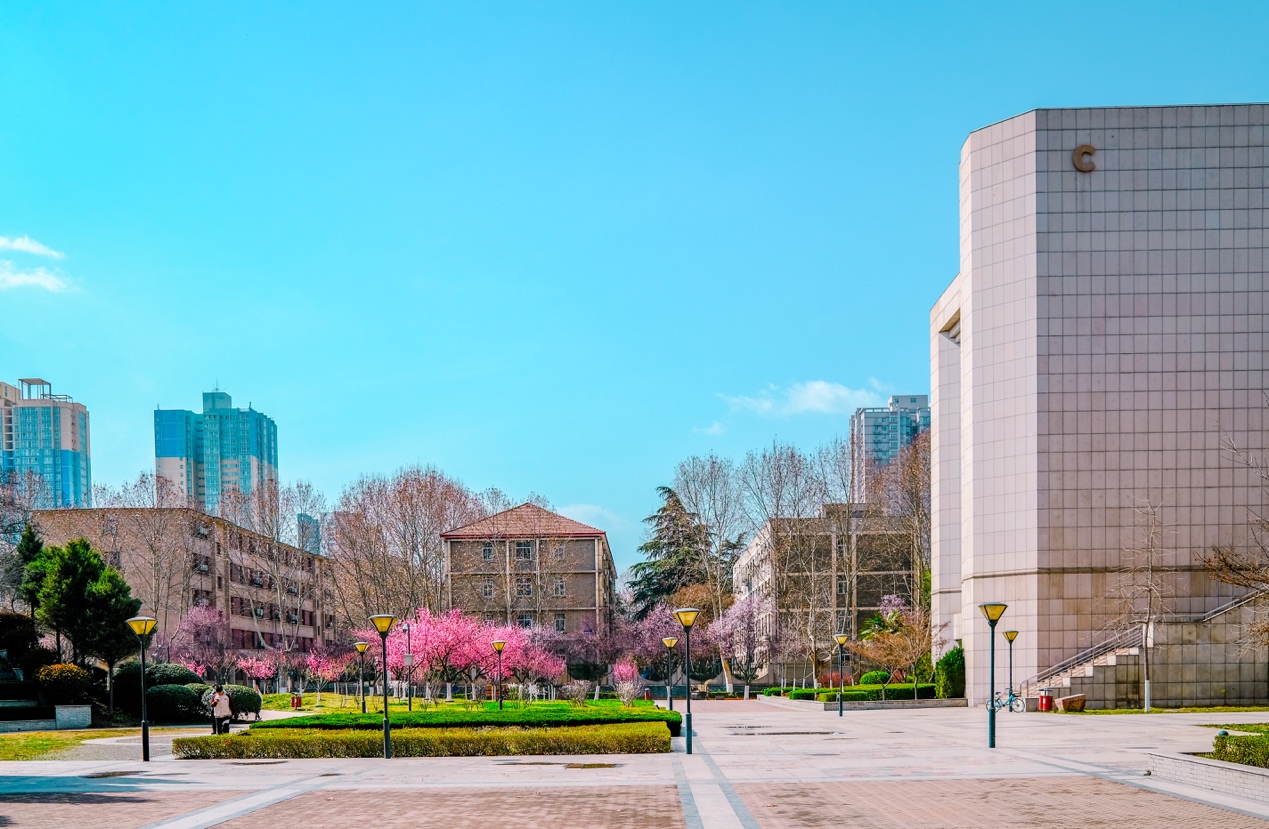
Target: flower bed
(303, 743)
(542, 715)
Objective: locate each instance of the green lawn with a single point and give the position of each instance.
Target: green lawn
(37, 745)
(336, 704)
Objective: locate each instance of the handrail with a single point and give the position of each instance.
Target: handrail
(1132, 638)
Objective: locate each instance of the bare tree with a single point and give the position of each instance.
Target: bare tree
(385, 545)
(900, 496)
(20, 494)
(710, 489)
(1144, 585)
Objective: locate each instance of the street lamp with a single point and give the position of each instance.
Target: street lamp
(143, 626)
(669, 642)
(992, 611)
(383, 624)
(842, 639)
(361, 677)
(687, 617)
(1011, 635)
(498, 646)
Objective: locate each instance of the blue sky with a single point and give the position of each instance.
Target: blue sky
(552, 247)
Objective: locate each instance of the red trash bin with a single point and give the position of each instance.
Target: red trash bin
(1046, 700)
(297, 700)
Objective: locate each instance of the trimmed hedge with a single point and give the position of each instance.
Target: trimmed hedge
(539, 716)
(174, 704)
(1249, 749)
(624, 738)
(63, 683)
(872, 693)
(874, 678)
(244, 700)
(128, 679)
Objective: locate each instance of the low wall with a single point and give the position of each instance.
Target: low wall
(67, 716)
(869, 705)
(1217, 775)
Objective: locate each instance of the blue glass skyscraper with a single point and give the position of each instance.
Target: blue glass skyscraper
(44, 444)
(220, 453)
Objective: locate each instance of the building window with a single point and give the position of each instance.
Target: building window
(486, 552)
(524, 586)
(559, 589)
(525, 620)
(561, 622)
(843, 586)
(487, 589)
(524, 550)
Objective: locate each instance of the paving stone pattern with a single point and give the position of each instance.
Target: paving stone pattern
(86, 810)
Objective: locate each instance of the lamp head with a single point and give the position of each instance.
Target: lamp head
(687, 616)
(361, 646)
(992, 611)
(1011, 635)
(670, 641)
(142, 625)
(383, 622)
(499, 645)
(842, 639)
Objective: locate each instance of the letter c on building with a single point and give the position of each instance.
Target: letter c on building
(1084, 165)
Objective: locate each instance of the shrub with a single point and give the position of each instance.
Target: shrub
(949, 674)
(626, 738)
(204, 692)
(245, 700)
(1250, 750)
(873, 693)
(773, 692)
(535, 716)
(875, 678)
(173, 704)
(34, 659)
(802, 693)
(62, 683)
(17, 635)
(578, 691)
(128, 680)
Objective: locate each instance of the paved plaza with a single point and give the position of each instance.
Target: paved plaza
(756, 765)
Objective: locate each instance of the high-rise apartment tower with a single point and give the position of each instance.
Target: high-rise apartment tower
(219, 453)
(44, 443)
(877, 436)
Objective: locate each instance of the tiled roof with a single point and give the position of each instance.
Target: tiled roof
(524, 521)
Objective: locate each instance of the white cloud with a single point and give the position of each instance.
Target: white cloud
(715, 428)
(813, 396)
(11, 277)
(595, 516)
(25, 244)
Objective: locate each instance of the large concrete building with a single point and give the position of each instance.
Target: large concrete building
(1104, 337)
(44, 443)
(216, 456)
(269, 594)
(530, 566)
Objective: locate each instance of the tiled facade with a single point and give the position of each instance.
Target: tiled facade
(44, 443)
(877, 436)
(1106, 327)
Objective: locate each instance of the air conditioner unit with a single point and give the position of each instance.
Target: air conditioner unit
(258, 582)
(202, 568)
(292, 589)
(292, 618)
(260, 611)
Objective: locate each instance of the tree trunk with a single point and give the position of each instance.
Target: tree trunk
(729, 682)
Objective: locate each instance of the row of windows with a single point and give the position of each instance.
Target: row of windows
(524, 587)
(524, 551)
(525, 620)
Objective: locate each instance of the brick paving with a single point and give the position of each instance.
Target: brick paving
(116, 810)
(1036, 803)
(612, 807)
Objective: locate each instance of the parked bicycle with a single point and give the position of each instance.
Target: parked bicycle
(1011, 702)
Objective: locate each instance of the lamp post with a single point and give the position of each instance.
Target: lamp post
(361, 677)
(383, 624)
(669, 642)
(143, 626)
(409, 670)
(992, 611)
(687, 617)
(498, 646)
(1011, 635)
(842, 639)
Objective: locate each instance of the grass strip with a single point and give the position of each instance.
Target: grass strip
(37, 745)
(533, 716)
(289, 744)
